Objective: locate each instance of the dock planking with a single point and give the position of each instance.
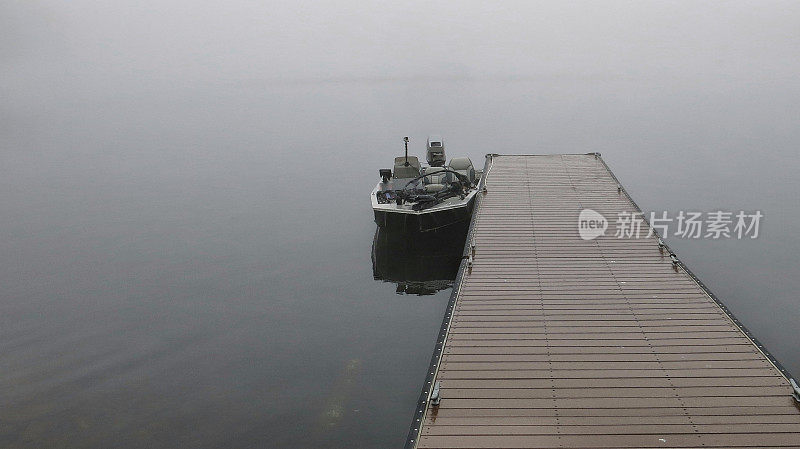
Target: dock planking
(553, 341)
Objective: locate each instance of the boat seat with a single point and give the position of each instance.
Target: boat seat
(400, 169)
(463, 165)
(432, 188)
(432, 176)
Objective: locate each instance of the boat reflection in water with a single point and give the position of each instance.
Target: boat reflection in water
(419, 263)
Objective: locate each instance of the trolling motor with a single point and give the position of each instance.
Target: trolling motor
(424, 201)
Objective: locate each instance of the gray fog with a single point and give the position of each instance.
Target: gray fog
(185, 226)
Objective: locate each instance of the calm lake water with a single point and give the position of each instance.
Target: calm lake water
(187, 240)
(197, 271)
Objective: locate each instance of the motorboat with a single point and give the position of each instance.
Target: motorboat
(419, 198)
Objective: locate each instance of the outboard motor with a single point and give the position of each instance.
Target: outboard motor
(435, 154)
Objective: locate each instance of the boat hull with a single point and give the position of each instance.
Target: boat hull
(424, 221)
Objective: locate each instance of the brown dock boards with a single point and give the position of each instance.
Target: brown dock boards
(559, 342)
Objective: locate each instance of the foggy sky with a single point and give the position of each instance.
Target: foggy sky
(87, 47)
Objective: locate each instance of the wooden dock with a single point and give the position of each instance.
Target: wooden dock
(552, 341)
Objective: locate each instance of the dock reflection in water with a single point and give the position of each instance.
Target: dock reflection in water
(419, 263)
